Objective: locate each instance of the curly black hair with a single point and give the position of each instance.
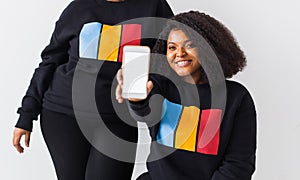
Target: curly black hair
(208, 34)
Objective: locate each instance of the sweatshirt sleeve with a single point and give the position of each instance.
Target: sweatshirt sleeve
(149, 110)
(55, 54)
(239, 159)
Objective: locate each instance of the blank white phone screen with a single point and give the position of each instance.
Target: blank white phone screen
(135, 72)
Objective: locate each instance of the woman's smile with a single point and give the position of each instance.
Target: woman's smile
(183, 63)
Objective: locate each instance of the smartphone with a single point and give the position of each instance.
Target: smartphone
(136, 61)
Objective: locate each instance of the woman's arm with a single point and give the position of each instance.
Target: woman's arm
(239, 159)
(55, 54)
(144, 110)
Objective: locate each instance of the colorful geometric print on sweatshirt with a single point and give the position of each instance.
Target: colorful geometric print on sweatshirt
(189, 128)
(105, 42)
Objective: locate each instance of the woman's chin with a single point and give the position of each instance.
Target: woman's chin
(182, 73)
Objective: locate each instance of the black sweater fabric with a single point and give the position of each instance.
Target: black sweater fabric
(78, 34)
(196, 139)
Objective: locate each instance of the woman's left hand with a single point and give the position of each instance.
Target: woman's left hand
(119, 88)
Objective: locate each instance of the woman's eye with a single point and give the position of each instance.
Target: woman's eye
(172, 48)
(189, 45)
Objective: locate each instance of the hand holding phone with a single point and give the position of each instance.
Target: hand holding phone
(136, 61)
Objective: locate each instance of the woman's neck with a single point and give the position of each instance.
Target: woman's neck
(191, 80)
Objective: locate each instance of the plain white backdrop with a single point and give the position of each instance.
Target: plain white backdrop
(267, 30)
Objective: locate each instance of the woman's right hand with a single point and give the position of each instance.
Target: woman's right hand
(17, 135)
(120, 84)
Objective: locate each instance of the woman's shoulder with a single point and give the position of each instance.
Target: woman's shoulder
(237, 89)
(234, 85)
(74, 9)
(81, 4)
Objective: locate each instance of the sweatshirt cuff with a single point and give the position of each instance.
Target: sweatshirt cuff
(24, 122)
(140, 108)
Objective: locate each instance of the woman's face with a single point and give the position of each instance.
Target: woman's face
(182, 56)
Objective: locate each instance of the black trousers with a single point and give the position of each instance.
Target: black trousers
(74, 158)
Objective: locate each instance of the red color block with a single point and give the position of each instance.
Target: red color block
(131, 35)
(209, 131)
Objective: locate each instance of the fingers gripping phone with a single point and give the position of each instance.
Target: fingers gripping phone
(136, 60)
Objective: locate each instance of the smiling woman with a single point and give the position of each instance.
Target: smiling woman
(199, 129)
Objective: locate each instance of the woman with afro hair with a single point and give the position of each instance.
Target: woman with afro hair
(202, 125)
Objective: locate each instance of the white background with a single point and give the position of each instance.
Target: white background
(267, 30)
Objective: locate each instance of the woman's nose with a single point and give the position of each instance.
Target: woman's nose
(181, 52)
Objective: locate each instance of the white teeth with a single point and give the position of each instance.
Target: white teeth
(182, 63)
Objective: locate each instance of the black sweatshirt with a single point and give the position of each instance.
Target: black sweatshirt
(195, 138)
(83, 21)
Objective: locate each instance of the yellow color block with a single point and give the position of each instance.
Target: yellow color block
(186, 133)
(109, 43)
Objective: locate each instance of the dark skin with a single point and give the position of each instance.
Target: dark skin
(17, 135)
